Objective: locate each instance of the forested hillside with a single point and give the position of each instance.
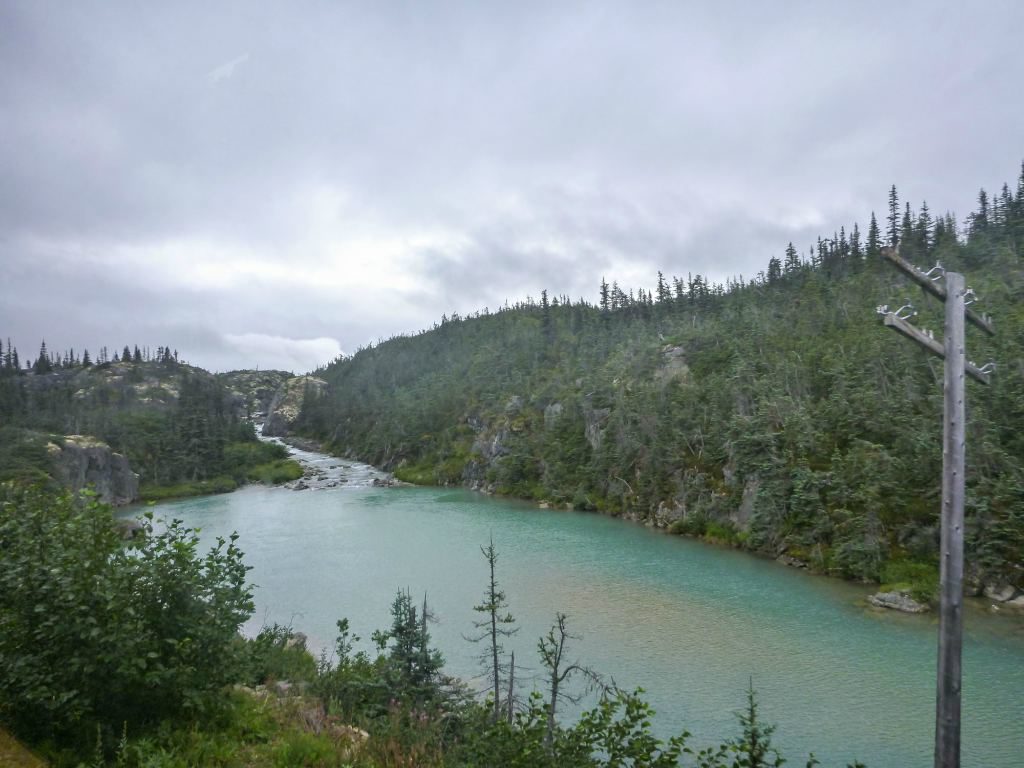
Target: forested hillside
(774, 413)
(182, 429)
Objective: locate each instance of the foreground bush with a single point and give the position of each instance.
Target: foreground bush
(98, 631)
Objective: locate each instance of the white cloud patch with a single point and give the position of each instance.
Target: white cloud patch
(226, 70)
(280, 352)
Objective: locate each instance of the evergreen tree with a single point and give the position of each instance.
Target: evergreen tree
(43, 364)
(792, 262)
(893, 219)
(497, 624)
(979, 221)
(663, 293)
(907, 239)
(874, 243)
(924, 230)
(856, 253)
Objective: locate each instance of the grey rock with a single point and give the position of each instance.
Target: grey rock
(286, 406)
(83, 461)
(741, 517)
(793, 562)
(1001, 593)
(129, 529)
(673, 363)
(897, 601)
(594, 419)
(667, 513)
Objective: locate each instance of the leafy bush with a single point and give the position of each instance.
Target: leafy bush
(921, 580)
(221, 484)
(277, 653)
(96, 630)
(275, 472)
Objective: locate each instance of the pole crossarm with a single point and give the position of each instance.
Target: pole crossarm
(984, 322)
(935, 347)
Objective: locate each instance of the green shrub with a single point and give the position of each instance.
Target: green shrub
(221, 484)
(276, 653)
(421, 473)
(99, 631)
(275, 472)
(241, 458)
(921, 580)
(722, 533)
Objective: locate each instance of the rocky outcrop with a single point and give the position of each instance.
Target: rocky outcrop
(82, 462)
(253, 391)
(1001, 593)
(673, 364)
(897, 601)
(284, 409)
(594, 420)
(794, 562)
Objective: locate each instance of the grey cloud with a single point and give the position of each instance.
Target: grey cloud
(530, 145)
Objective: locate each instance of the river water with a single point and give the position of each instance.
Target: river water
(688, 622)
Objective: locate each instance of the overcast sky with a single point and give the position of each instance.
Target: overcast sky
(273, 183)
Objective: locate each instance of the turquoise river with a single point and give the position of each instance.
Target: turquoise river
(688, 622)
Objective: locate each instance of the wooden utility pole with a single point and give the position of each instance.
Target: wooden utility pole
(951, 568)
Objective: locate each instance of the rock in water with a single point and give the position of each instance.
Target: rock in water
(897, 601)
(1001, 593)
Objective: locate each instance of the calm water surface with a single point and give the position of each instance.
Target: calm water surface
(689, 623)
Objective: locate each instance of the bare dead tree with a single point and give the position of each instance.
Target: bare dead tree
(552, 648)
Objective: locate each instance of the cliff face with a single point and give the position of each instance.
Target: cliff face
(84, 461)
(287, 404)
(253, 391)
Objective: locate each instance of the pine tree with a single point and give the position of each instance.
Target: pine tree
(496, 625)
(663, 293)
(893, 219)
(86, 362)
(545, 318)
(792, 262)
(874, 244)
(43, 364)
(1001, 204)
(774, 270)
(980, 220)
(923, 230)
(855, 248)
(126, 354)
